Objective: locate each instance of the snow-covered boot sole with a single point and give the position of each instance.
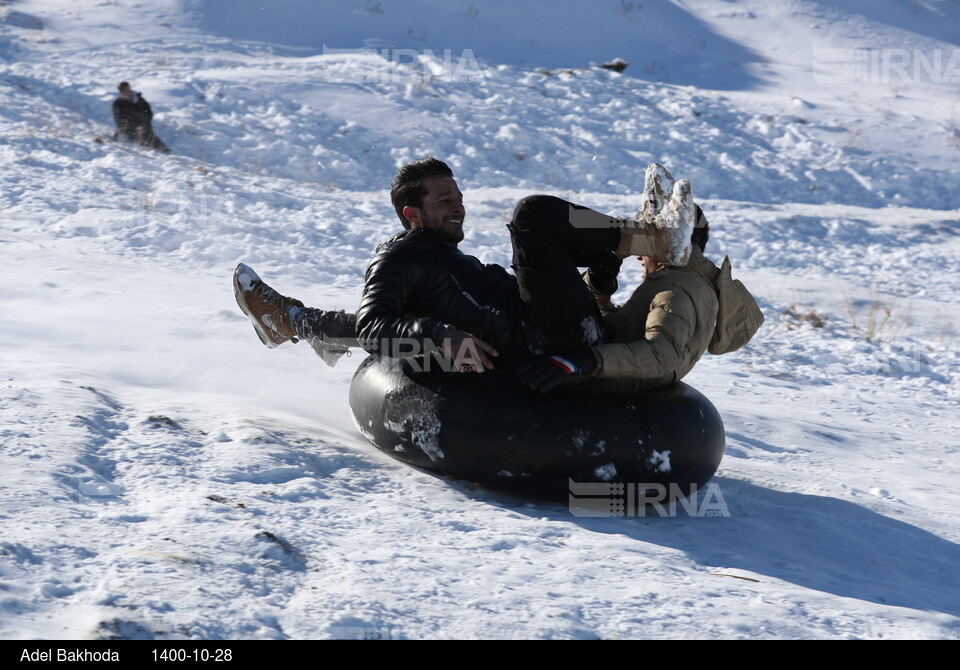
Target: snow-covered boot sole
(678, 217)
(657, 187)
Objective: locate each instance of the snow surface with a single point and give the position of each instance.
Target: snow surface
(166, 476)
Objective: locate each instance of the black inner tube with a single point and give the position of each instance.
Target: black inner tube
(490, 429)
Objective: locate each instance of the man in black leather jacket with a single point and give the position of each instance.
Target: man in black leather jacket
(421, 293)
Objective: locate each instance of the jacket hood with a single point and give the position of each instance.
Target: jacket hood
(738, 315)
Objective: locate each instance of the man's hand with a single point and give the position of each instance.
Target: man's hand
(548, 372)
(469, 353)
(605, 304)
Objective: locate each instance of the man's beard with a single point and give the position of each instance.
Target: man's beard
(447, 232)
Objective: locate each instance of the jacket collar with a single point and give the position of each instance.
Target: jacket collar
(702, 265)
(698, 264)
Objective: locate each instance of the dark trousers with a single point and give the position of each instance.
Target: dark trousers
(551, 239)
(143, 135)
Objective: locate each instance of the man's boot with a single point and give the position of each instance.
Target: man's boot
(678, 218)
(268, 310)
(667, 238)
(657, 187)
(639, 238)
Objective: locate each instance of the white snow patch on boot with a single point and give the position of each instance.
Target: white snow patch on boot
(246, 276)
(678, 217)
(657, 187)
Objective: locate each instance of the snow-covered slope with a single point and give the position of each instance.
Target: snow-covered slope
(166, 476)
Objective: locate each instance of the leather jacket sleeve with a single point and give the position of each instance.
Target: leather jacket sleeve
(384, 322)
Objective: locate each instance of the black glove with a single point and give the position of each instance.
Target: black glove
(545, 373)
(601, 276)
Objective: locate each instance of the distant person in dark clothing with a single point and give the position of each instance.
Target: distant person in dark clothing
(132, 115)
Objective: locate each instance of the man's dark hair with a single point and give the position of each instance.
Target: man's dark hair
(408, 189)
(701, 230)
(123, 85)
